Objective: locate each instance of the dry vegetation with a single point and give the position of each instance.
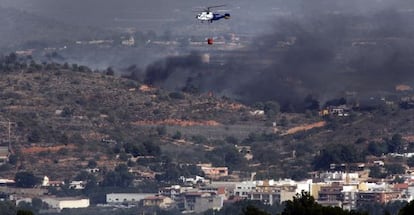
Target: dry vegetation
(61, 116)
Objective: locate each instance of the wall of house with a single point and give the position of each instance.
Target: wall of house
(204, 203)
(62, 203)
(118, 198)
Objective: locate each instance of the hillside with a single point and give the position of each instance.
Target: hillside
(65, 117)
(60, 116)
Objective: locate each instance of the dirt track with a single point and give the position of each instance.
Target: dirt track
(37, 149)
(177, 122)
(304, 127)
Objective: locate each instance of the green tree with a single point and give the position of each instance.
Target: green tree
(271, 108)
(252, 210)
(395, 144)
(120, 177)
(75, 67)
(233, 159)
(66, 112)
(176, 95)
(301, 204)
(24, 212)
(394, 168)
(232, 140)
(408, 209)
(13, 159)
(410, 161)
(393, 207)
(34, 136)
(151, 148)
(92, 164)
(377, 149)
(37, 204)
(136, 149)
(7, 208)
(110, 71)
(304, 203)
(376, 172)
(171, 174)
(199, 139)
(337, 154)
(161, 130)
(311, 103)
(25, 179)
(83, 176)
(266, 154)
(247, 207)
(177, 135)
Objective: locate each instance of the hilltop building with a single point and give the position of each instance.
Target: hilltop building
(129, 42)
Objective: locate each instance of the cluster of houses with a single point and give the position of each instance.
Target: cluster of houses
(345, 190)
(198, 194)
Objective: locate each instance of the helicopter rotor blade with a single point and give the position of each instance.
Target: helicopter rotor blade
(215, 6)
(222, 10)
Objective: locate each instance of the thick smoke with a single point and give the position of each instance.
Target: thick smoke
(323, 54)
(173, 72)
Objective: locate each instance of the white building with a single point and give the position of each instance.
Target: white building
(129, 42)
(93, 170)
(119, 198)
(77, 185)
(48, 183)
(68, 202)
(195, 180)
(5, 182)
(349, 196)
(379, 186)
(339, 176)
(244, 188)
(304, 186)
(410, 193)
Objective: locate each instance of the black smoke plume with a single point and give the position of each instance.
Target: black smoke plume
(323, 54)
(172, 70)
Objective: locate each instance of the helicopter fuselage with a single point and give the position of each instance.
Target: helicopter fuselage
(205, 16)
(210, 16)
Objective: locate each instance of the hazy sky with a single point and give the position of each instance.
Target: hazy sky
(104, 12)
(322, 61)
(110, 13)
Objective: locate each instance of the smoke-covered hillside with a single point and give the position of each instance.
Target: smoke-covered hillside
(324, 54)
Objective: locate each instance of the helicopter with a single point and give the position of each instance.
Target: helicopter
(208, 15)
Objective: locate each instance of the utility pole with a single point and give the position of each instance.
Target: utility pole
(9, 124)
